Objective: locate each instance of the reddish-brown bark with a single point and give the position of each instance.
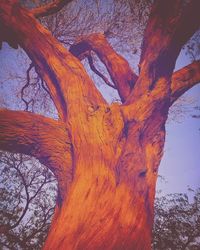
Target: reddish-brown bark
(50, 8)
(184, 79)
(41, 137)
(120, 72)
(105, 157)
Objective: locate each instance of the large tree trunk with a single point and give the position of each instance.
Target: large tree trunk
(105, 157)
(105, 209)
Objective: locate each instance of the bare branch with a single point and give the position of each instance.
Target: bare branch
(120, 71)
(25, 209)
(45, 88)
(38, 136)
(93, 68)
(46, 217)
(184, 79)
(26, 85)
(49, 9)
(43, 84)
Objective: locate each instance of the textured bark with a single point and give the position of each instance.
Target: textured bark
(49, 9)
(170, 26)
(62, 72)
(105, 157)
(184, 79)
(120, 72)
(41, 137)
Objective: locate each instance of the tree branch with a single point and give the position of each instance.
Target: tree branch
(25, 208)
(184, 79)
(170, 25)
(93, 68)
(120, 71)
(49, 9)
(61, 71)
(38, 136)
(26, 86)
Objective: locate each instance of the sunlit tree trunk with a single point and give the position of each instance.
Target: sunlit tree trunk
(105, 157)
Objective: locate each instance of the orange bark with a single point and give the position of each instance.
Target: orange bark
(184, 79)
(41, 137)
(120, 72)
(105, 157)
(50, 8)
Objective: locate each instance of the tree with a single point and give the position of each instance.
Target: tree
(27, 202)
(177, 222)
(105, 157)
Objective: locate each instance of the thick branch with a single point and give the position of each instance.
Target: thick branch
(62, 72)
(49, 9)
(38, 136)
(170, 25)
(120, 71)
(184, 79)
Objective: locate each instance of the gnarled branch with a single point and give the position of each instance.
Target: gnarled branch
(120, 71)
(61, 71)
(38, 136)
(184, 79)
(49, 9)
(170, 25)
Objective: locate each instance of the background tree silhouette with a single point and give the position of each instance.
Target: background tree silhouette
(177, 221)
(27, 200)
